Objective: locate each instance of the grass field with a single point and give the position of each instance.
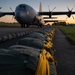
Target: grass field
(9, 25)
(69, 32)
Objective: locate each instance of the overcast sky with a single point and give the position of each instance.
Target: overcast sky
(61, 5)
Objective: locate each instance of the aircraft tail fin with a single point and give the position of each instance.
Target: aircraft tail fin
(40, 8)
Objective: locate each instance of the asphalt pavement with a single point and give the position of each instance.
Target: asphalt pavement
(10, 30)
(8, 33)
(65, 54)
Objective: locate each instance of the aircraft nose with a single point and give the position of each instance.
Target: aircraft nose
(20, 14)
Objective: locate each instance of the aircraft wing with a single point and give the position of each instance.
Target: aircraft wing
(6, 13)
(53, 20)
(54, 13)
(49, 18)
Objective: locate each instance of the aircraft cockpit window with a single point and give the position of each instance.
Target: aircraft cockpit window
(22, 6)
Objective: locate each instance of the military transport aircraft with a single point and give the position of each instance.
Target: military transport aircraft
(26, 15)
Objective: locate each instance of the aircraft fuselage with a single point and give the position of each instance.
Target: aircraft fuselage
(25, 14)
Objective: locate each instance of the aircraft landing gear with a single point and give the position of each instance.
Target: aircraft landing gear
(39, 25)
(27, 25)
(24, 25)
(21, 25)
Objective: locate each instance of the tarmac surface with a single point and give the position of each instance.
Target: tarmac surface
(8, 33)
(65, 54)
(10, 30)
(15, 35)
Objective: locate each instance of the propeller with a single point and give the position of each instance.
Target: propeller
(70, 12)
(53, 9)
(50, 11)
(73, 8)
(11, 9)
(13, 17)
(72, 16)
(49, 8)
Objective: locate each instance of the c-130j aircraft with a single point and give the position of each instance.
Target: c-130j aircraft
(26, 15)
